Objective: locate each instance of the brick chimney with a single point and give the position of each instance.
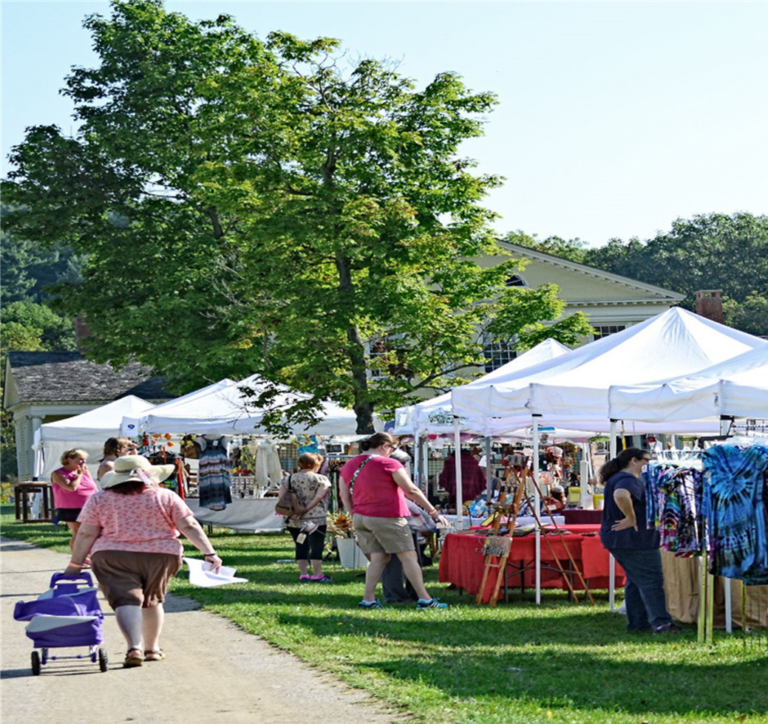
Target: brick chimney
(709, 304)
(81, 332)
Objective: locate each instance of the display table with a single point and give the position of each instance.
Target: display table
(23, 495)
(462, 561)
(251, 514)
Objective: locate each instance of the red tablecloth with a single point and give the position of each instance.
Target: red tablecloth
(462, 561)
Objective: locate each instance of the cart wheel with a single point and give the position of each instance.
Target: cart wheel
(103, 660)
(45, 656)
(36, 663)
(93, 655)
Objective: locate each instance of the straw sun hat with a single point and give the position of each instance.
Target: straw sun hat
(135, 467)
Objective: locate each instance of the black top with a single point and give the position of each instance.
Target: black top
(640, 539)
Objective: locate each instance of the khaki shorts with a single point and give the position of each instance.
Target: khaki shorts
(382, 535)
(128, 578)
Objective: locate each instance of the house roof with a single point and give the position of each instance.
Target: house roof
(658, 292)
(70, 377)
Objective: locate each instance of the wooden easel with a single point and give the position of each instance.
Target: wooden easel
(558, 531)
(496, 546)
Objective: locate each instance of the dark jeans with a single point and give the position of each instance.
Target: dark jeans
(644, 592)
(395, 586)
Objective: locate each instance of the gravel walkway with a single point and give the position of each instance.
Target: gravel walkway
(214, 672)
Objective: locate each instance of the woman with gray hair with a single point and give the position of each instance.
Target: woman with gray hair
(373, 488)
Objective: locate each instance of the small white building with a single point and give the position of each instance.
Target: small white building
(42, 387)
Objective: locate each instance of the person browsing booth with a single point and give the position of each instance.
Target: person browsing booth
(373, 488)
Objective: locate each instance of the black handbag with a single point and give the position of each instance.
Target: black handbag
(288, 504)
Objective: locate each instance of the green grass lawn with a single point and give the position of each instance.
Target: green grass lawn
(518, 662)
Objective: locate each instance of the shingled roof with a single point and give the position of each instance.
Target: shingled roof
(69, 377)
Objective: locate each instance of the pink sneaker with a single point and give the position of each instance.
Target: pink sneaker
(305, 579)
(320, 579)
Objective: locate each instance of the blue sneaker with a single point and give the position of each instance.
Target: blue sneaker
(370, 604)
(423, 604)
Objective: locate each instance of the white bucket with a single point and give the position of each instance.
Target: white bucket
(350, 554)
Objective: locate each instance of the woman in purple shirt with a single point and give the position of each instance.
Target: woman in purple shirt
(625, 534)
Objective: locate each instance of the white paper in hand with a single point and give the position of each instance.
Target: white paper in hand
(200, 574)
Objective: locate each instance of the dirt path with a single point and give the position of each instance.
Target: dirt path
(214, 672)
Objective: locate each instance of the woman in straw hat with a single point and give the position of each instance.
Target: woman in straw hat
(131, 529)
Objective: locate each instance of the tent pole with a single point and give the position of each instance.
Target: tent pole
(614, 449)
(488, 476)
(457, 461)
(536, 501)
(425, 463)
(417, 461)
(585, 499)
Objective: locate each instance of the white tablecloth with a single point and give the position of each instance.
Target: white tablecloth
(254, 514)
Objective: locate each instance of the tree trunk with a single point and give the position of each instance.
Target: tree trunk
(362, 406)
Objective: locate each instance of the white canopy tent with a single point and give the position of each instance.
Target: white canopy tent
(737, 387)
(228, 411)
(572, 390)
(132, 424)
(436, 414)
(88, 432)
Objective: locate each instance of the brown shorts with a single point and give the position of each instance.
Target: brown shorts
(382, 535)
(130, 578)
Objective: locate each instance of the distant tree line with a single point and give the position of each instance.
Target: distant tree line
(709, 251)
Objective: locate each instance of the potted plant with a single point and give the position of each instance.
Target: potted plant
(341, 528)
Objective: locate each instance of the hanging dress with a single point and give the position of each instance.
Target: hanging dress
(213, 479)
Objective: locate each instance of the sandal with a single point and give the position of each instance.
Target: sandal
(157, 655)
(133, 658)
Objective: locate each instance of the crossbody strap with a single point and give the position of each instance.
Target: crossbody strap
(357, 472)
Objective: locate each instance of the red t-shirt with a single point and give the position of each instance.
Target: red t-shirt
(375, 493)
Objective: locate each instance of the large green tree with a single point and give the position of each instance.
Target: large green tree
(709, 251)
(268, 206)
(29, 270)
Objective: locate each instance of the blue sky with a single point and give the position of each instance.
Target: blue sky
(614, 118)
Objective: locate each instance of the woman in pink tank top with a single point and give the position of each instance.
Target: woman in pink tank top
(72, 486)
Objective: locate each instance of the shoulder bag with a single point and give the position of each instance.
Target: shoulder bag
(288, 504)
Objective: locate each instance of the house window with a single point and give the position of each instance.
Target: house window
(388, 346)
(514, 281)
(606, 330)
(497, 352)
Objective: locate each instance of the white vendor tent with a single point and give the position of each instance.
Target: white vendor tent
(737, 387)
(436, 414)
(133, 425)
(572, 390)
(228, 411)
(88, 432)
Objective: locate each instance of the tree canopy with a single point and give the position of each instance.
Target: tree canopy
(709, 251)
(267, 206)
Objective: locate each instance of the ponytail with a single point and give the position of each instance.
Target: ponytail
(619, 463)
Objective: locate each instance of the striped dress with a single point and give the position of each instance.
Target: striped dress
(214, 482)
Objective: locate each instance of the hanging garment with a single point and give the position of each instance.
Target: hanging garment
(268, 470)
(214, 482)
(735, 500)
(472, 478)
(679, 525)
